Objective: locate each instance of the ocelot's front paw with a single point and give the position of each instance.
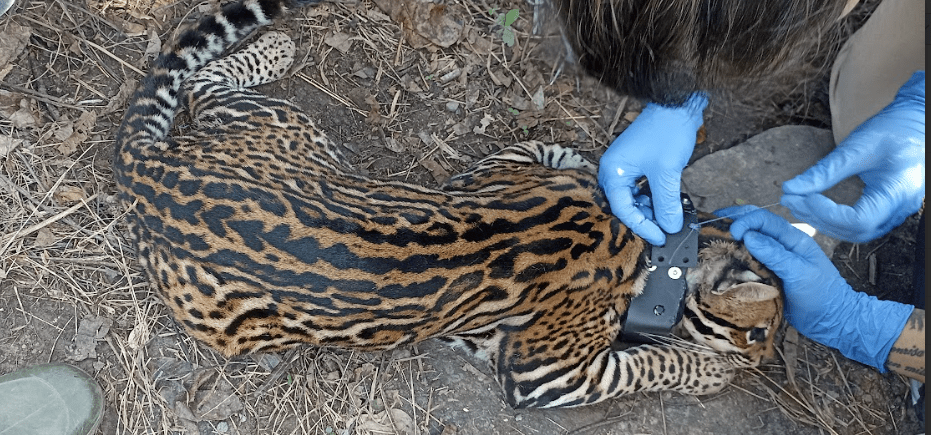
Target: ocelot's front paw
(710, 375)
(275, 54)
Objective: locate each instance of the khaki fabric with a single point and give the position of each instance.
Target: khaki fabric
(875, 62)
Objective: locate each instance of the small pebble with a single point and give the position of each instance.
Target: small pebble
(452, 106)
(222, 427)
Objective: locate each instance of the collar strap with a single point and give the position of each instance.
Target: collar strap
(659, 307)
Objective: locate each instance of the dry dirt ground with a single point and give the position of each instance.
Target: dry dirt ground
(70, 289)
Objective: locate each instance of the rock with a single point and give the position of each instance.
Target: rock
(753, 173)
(426, 22)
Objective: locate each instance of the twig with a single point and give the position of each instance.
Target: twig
(856, 413)
(92, 15)
(617, 116)
(598, 424)
(45, 98)
(283, 367)
(662, 411)
(332, 94)
(52, 110)
(45, 223)
(114, 57)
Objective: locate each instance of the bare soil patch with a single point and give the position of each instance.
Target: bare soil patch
(70, 289)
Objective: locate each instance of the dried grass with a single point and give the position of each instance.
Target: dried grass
(64, 255)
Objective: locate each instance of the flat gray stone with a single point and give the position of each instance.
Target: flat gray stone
(753, 173)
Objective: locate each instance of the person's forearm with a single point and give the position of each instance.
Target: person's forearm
(907, 356)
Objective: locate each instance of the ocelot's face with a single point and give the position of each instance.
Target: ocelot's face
(747, 328)
(730, 307)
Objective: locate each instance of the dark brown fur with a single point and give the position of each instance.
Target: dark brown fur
(664, 50)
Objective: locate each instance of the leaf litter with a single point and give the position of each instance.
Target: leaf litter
(73, 290)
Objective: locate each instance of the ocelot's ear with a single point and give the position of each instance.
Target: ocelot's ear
(753, 292)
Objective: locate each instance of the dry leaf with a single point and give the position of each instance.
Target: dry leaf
(462, 127)
(25, 116)
(393, 145)
(701, 135)
(528, 119)
(479, 43)
(402, 422)
(485, 122)
(440, 174)
(91, 330)
(13, 41)
(425, 138)
(538, 99)
(374, 115)
(132, 29)
(5, 70)
(8, 144)
(153, 47)
(410, 85)
(376, 15)
(500, 78)
(63, 130)
(82, 129)
(340, 41)
(515, 100)
(118, 100)
(219, 403)
(138, 336)
(45, 238)
(448, 150)
(532, 77)
(9, 103)
(73, 44)
(67, 194)
(394, 421)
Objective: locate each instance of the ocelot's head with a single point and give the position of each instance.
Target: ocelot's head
(734, 303)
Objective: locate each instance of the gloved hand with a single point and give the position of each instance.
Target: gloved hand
(657, 144)
(819, 302)
(888, 153)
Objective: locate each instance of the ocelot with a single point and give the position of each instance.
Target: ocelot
(259, 237)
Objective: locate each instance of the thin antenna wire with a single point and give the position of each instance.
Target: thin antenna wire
(695, 226)
(691, 230)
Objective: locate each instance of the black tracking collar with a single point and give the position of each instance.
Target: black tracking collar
(657, 310)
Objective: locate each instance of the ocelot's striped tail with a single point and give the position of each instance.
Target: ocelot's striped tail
(152, 108)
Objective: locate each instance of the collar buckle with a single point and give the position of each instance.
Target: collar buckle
(659, 307)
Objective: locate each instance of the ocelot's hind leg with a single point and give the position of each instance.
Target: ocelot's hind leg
(222, 105)
(211, 91)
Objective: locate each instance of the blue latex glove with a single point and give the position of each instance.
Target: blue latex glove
(819, 302)
(657, 144)
(888, 153)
